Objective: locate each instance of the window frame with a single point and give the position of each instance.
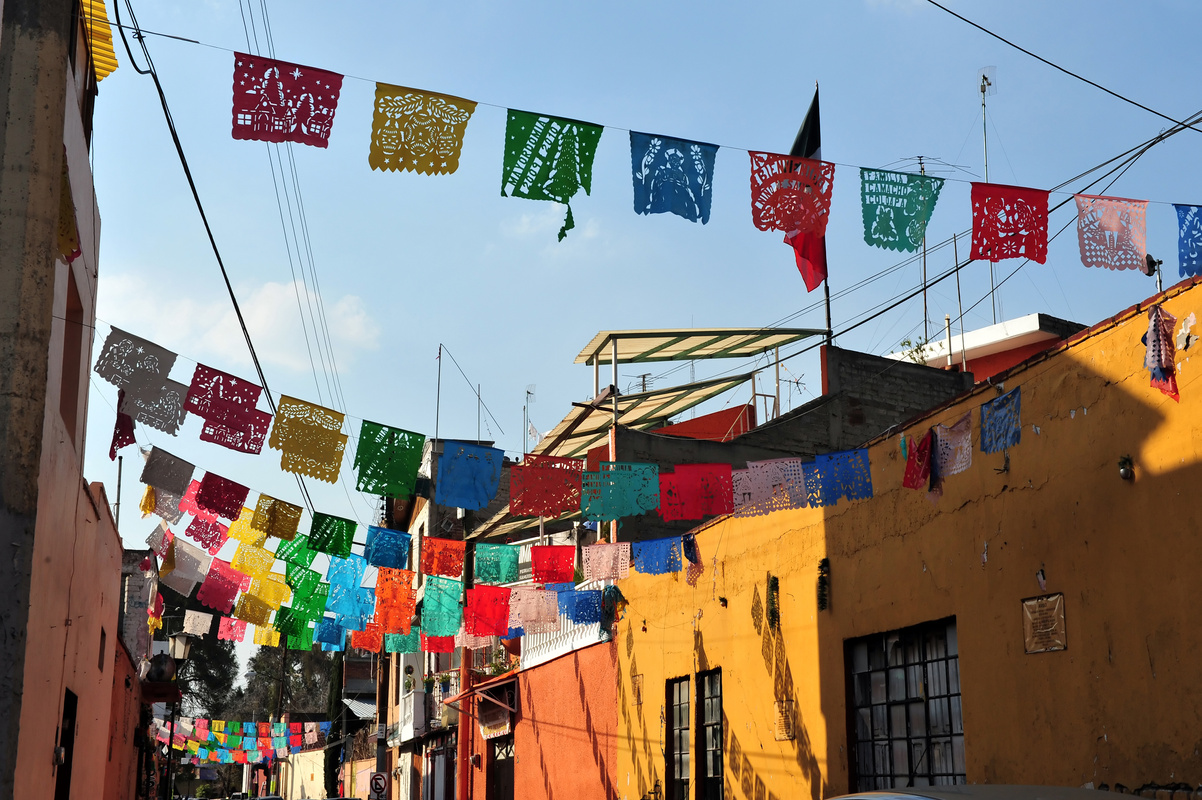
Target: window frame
(709, 786)
(903, 695)
(676, 757)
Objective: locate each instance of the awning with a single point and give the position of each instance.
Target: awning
(479, 688)
(589, 423)
(688, 344)
(361, 708)
(100, 37)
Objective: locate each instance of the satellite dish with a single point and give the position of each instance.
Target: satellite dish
(987, 80)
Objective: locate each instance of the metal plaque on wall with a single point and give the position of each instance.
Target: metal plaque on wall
(1043, 623)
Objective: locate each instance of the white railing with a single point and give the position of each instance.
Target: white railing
(412, 714)
(539, 648)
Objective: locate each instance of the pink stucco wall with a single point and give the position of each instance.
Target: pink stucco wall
(76, 580)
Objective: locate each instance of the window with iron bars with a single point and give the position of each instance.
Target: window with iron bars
(904, 702)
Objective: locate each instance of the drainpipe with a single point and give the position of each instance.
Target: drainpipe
(381, 714)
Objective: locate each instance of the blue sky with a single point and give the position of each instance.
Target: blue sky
(407, 261)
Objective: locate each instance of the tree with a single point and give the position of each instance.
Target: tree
(305, 680)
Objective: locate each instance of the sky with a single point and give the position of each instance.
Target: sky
(403, 262)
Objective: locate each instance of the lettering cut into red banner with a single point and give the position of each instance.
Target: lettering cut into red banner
(790, 194)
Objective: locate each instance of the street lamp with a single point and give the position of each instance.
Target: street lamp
(180, 646)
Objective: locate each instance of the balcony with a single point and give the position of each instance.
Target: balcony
(412, 715)
(539, 648)
(446, 684)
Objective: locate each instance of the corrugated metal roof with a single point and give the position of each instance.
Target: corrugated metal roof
(688, 344)
(100, 37)
(361, 708)
(588, 424)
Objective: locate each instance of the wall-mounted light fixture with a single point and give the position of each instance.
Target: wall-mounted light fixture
(1152, 268)
(1126, 468)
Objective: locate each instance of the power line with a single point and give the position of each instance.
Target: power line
(179, 149)
(472, 386)
(749, 149)
(1055, 66)
(888, 305)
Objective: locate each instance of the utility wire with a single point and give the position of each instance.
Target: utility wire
(288, 181)
(472, 386)
(1055, 66)
(888, 305)
(179, 149)
(752, 149)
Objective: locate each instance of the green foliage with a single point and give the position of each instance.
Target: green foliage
(914, 349)
(334, 712)
(305, 676)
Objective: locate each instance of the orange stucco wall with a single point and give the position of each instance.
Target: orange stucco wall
(75, 591)
(121, 778)
(1120, 705)
(564, 735)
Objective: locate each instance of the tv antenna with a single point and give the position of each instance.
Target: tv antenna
(526, 418)
(987, 86)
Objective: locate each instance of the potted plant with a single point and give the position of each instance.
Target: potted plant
(429, 684)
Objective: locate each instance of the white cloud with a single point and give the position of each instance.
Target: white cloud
(209, 330)
(547, 220)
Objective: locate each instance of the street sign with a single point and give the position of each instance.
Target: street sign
(378, 786)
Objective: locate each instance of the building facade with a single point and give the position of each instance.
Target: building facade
(62, 575)
(1030, 625)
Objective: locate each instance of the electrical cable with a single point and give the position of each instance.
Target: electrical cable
(1070, 73)
(886, 306)
(473, 388)
(179, 149)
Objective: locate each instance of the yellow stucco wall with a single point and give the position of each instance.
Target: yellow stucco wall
(1121, 705)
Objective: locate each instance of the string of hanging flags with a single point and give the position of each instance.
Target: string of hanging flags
(551, 158)
(368, 600)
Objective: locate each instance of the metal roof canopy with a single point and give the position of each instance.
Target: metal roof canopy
(589, 423)
(360, 708)
(688, 344)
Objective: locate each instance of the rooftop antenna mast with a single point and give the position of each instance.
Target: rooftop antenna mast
(926, 334)
(526, 420)
(987, 79)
